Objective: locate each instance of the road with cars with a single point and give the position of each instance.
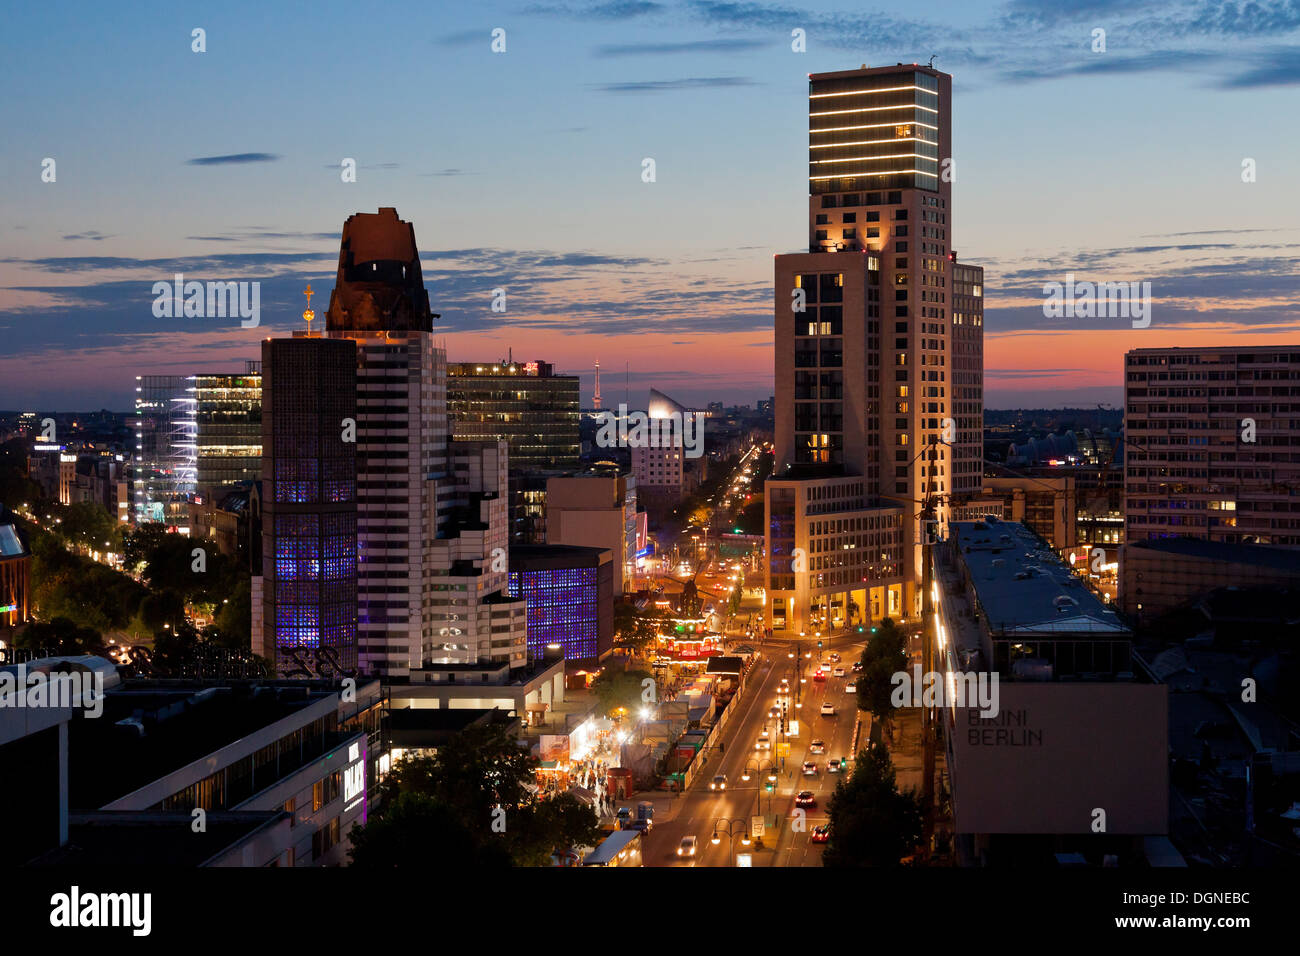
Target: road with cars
(728, 804)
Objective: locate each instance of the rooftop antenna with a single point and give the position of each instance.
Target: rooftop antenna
(307, 313)
(931, 63)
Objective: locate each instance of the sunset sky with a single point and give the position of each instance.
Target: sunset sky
(522, 170)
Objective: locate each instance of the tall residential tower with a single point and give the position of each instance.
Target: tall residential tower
(869, 420)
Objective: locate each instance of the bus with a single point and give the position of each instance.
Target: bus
(620, 848)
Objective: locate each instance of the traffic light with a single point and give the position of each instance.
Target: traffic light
(819, 645)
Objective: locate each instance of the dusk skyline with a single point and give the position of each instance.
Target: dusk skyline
(527, 175)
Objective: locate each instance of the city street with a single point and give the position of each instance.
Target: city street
(696, 812)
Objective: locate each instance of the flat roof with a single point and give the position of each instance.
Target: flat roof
(1281, 558)
(182, 723)
(130, 838)
(542, 557)
(1023, 586)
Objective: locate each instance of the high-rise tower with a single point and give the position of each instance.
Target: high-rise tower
(864, 371)
(432, 514)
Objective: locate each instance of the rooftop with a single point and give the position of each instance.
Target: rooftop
(152, 728)
(1281, 558)
(1023, 586)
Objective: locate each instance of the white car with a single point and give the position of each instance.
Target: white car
(809, 768)
(687, 846)
(838, 672)
(851, 688)
(828, 709)
(817, 747)
(719, 782)
(764, 742)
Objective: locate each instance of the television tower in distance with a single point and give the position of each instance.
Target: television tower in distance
(595, 399)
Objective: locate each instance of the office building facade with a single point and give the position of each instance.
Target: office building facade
(228, 429)
(1213, 444)
(525, 404)
(163, 472)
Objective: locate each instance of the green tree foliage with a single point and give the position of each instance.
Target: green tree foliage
(90, 594)
(882, 658)
(872, 823)
(89, 525)
(470, 803)
(419, 831)
(60, 636)
(234, 619)
(615, 688)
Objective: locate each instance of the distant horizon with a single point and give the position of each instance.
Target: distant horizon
(530, 179)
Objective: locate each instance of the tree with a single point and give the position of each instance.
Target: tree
(615, 689)
(872, 823)
(234, 618)
(89, 525)
(475, 791)
(882, 658)
(140, 542)
(420, 831)
(60, 636)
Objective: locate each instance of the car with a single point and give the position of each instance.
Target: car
(764, 741)
(828, 709)
(821, 834)
(643, 825)
(809, 768)
(857, 667)
(774, 712)
(623, 815)
(833, 766)
(719, 782)
(851, 687)
(834, 658)
(817, 747)
(820, 675)
(805, 799)
(687, 846)
(838, 672)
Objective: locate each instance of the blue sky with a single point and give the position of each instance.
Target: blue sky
(522, 170)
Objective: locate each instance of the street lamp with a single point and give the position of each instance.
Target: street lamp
(729, 830)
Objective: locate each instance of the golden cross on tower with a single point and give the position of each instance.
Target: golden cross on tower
(308, 314)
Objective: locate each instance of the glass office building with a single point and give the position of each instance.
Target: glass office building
(525, 403)
(228, 420)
